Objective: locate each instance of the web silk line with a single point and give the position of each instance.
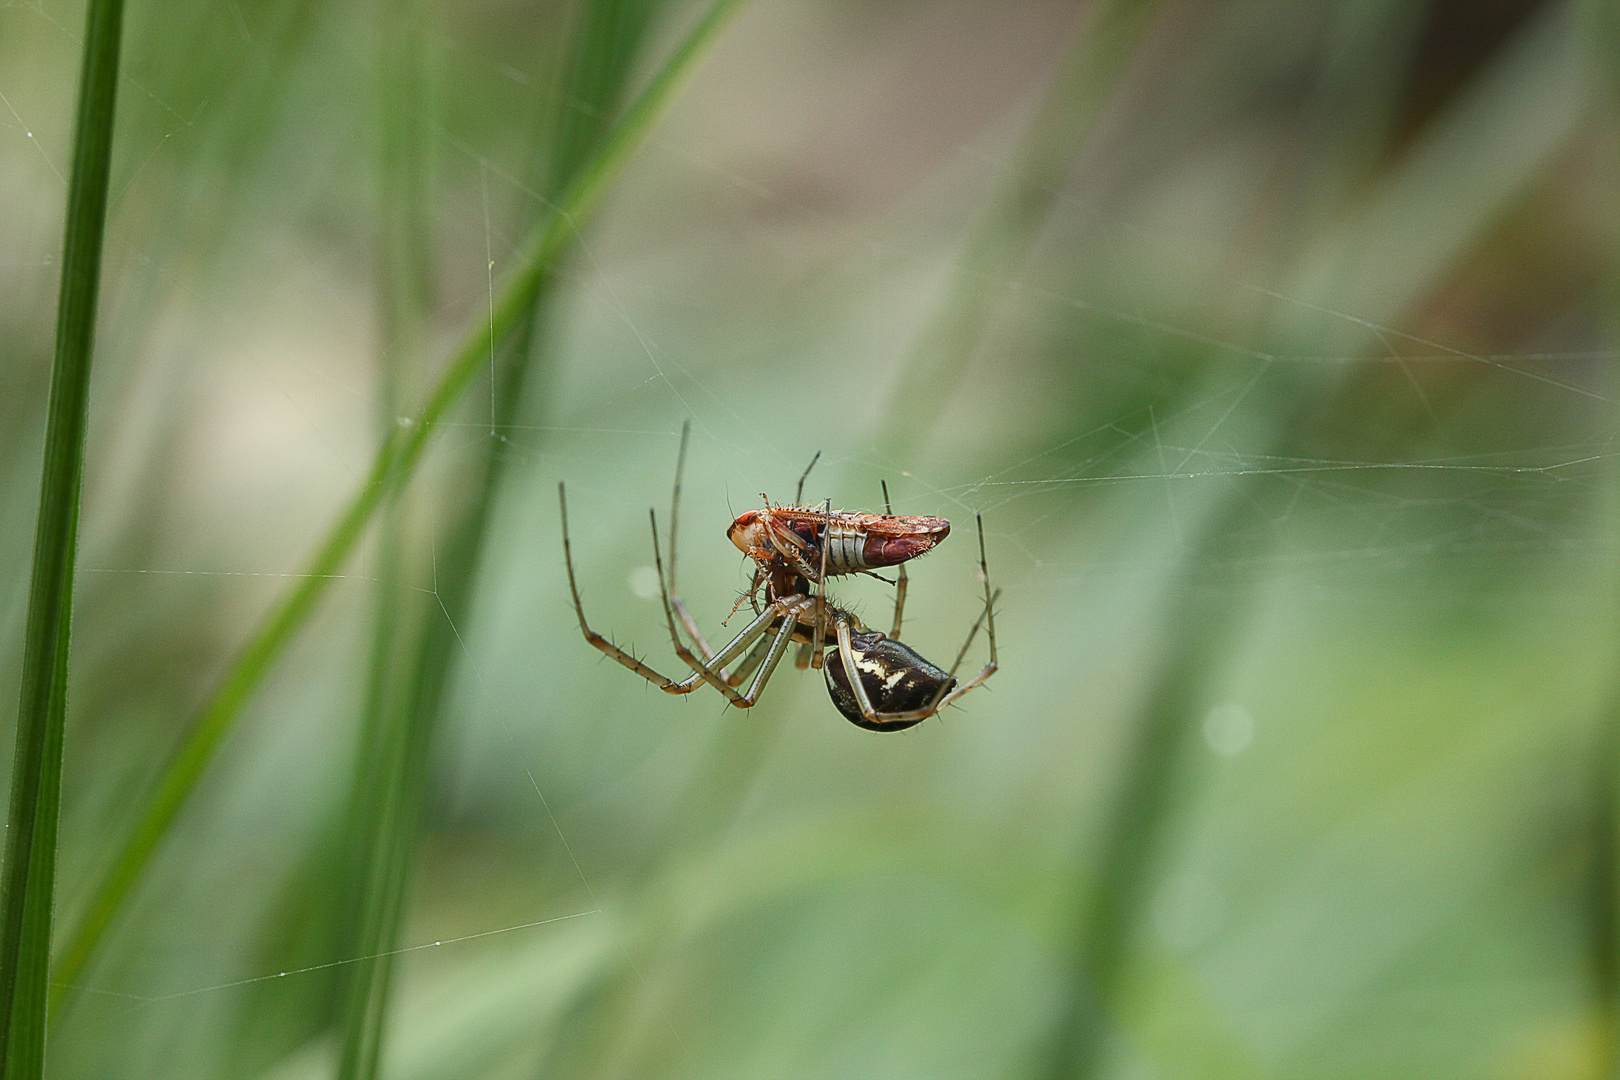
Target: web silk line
(155, 998)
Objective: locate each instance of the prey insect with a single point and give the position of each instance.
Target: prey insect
(873, 679)
(794, 546)
(815, 543)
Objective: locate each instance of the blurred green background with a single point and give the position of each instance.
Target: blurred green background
(1272, 341)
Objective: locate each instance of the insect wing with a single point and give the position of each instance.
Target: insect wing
(887, 526)
(893, 526)
(892, 540)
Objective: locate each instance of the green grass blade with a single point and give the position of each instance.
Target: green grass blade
(409, 676)
(396, 461)
(30, 875)
(374, 831)
(1205, 629)
(1602, 911)
(386, 806)
(1602, 26)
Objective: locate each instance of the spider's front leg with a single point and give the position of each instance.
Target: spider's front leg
(712, 669)
(663, 682)
(821, 585)
(900, 579)
(674, 523)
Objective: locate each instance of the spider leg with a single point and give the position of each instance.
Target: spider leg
(663, 682)
(674, 520)
(779, 645)
(765, 653)
(989, 609)
(863, 701)
(900, 578)
(748, 664)
(988, 670)
(681, 612)
(987, 618)
(752, 644)
(712, 671)
(857, 685)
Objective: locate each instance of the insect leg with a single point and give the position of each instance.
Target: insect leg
(821, 587)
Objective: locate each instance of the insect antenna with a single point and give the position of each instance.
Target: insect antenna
(798, 493)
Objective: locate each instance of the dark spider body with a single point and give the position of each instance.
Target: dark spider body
(895, 677)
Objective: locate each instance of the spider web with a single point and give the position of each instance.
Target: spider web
(1396, 457)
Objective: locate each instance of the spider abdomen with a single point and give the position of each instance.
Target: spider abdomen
(895, 677)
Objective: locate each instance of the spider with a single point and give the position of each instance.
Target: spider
(895, 688)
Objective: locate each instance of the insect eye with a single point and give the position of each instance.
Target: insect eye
(895, 677)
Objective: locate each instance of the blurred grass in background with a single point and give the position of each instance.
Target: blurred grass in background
(1270, 339)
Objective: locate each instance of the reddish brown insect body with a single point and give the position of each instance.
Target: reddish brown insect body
(796, 535)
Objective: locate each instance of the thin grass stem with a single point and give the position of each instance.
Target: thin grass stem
(28, 892)
(396, 461)
(383, 802)
(1602, 900)
(409, 681)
